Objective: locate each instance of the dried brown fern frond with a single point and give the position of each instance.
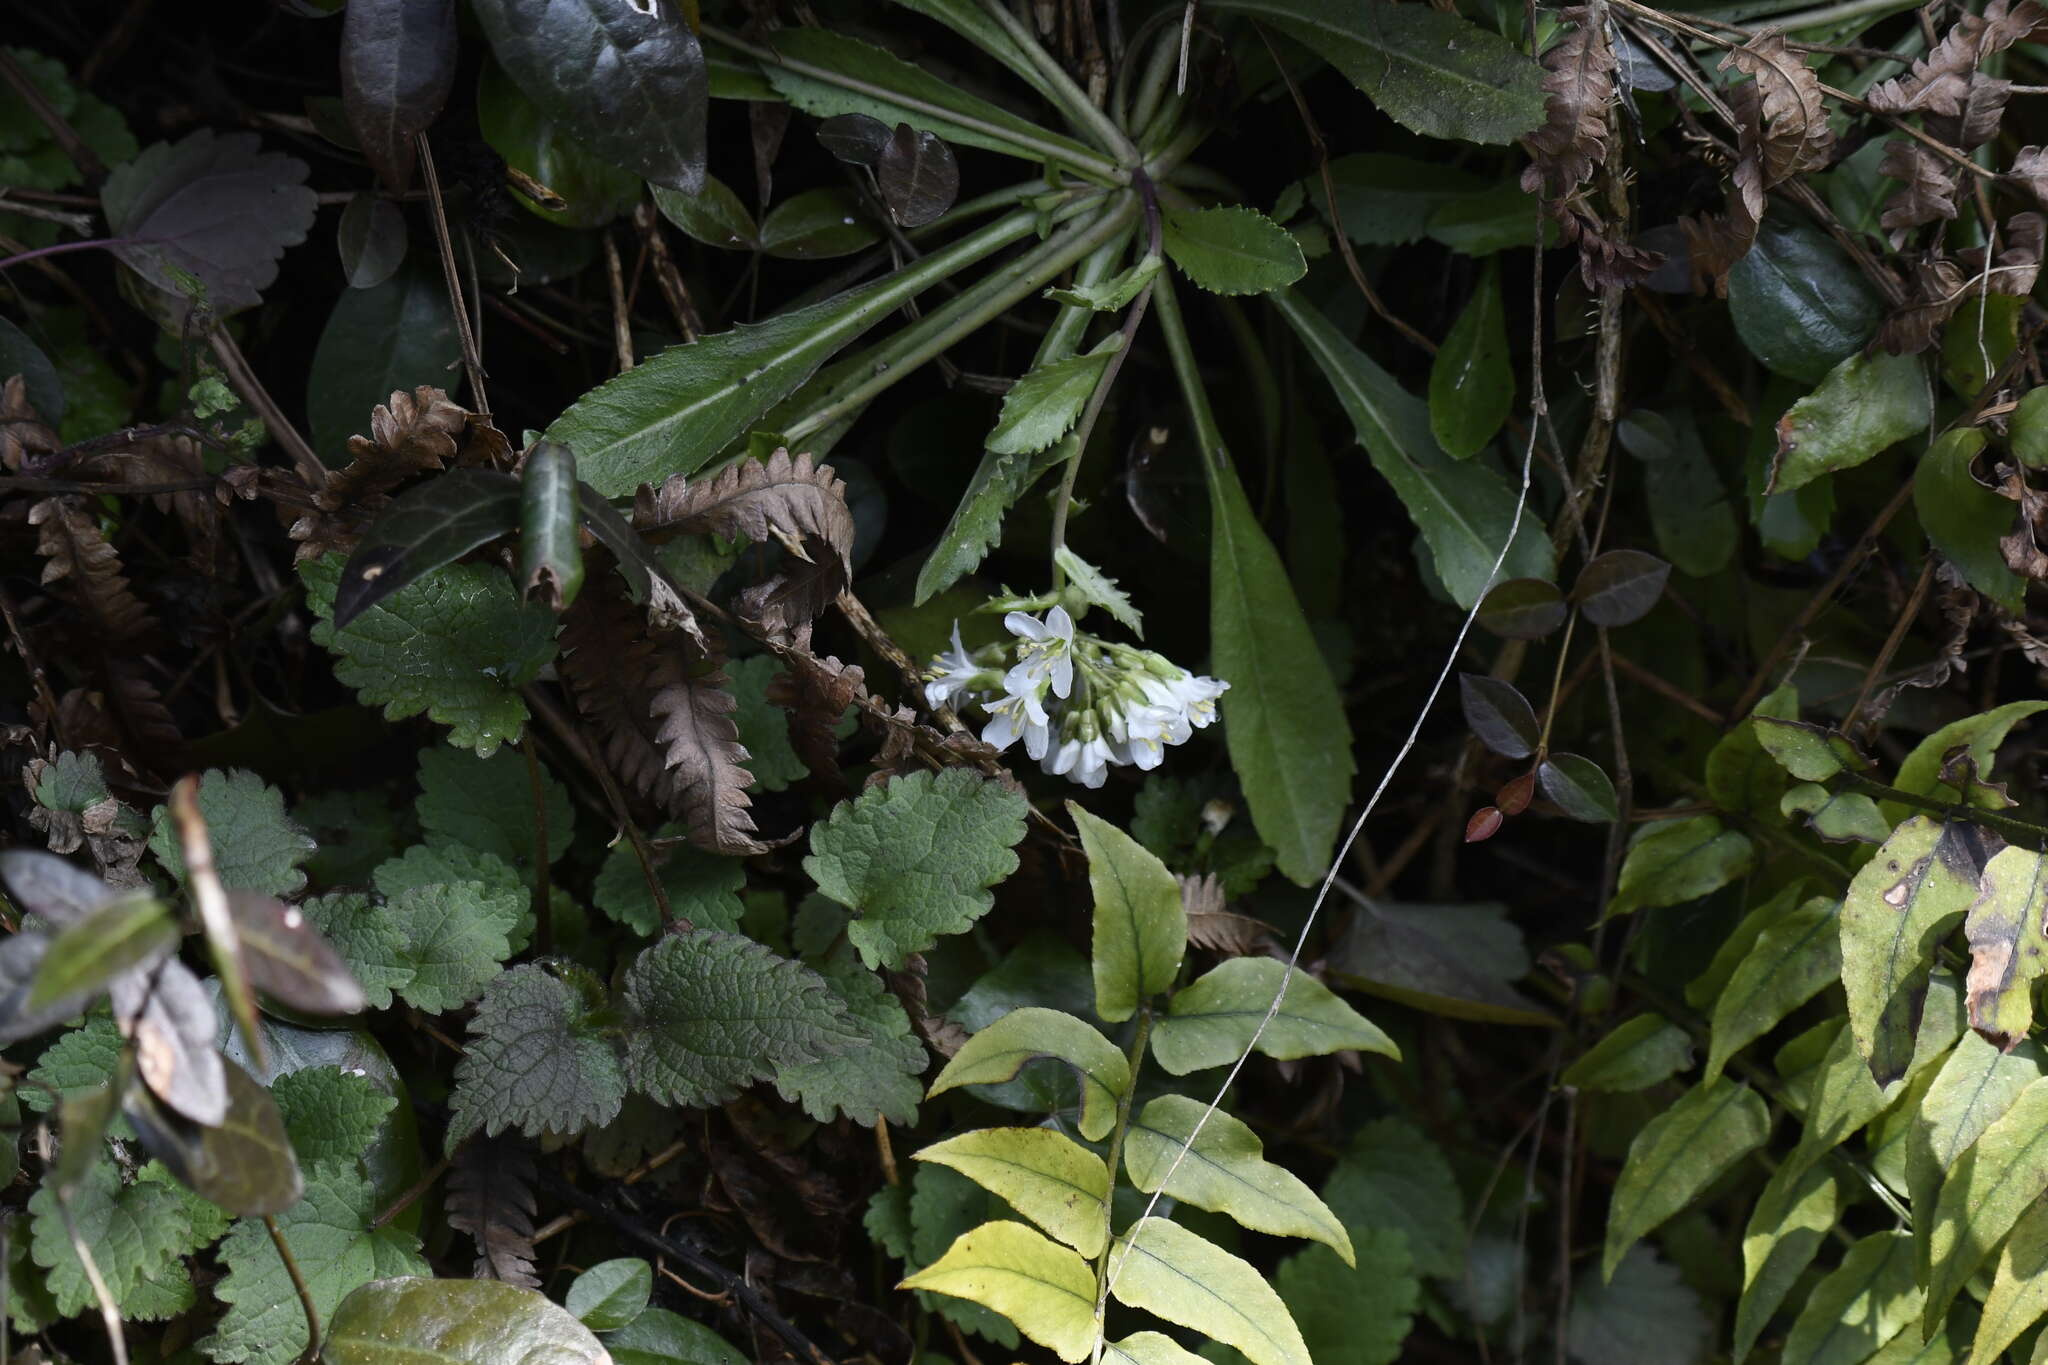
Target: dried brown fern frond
(1927, 191)
(1784, 119)
(26, 441)
(78, 556)
(416, 433)
(816, 692)
(1578, 88)
(490, 1197)
(1959, 103)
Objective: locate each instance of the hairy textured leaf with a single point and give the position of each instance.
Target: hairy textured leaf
(369, 942)
(1677, 1155)
(134, 1232)
(1164, 1268)
(1225, 1171)
(1041, 1286)
(485, 805)
(1214, 1018)
(701, 887)
(999, 1051)
(1642, 1314)
(1141, 926)
(476, 1322)
(878, 1080)
(330, 1113)
(1900, 904)
(397, 66)
(1044, 404)
(256, 846)
(1049, 1178)
(538, 1059)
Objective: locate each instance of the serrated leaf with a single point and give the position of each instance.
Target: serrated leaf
(1165, 1269)
(1391, 1177)
(539, 1058)
(256, 847)
(1865, 404)
(875, 1081)
(1677, 1155)
(1141, 924)
(1636, 1055)
(1899, 905)
(1498, 715)
(1975, 1086)
(1113, 293)
(288, 960)
(711, 1013)
(457, 645)
(1620, 587)
(1046, 1176)
(330, 1113)
(1213, 1019)
(127, 934)
(1862, 1304)
(1987, 1190)
(1233, 249)
(80, 1060)
(1225, 1171)
(1353, 1315)
(1000, 1050)
(1098, 589)
(134, 1232)
(1792, 1218)
(1043, 406)
(432, 525)
(1680, 861)
(485, 804)
(611, 1293)
(1642, 1314)
(456, 937)
(244, 1164)
(914, 856)
(397, 1321)
(1795, 959)
(1471, 383)
(1041, 1286)
(701, 886)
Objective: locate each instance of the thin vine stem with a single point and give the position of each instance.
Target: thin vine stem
(299, 1285)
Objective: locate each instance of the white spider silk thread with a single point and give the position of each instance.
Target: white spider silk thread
(1322, 894)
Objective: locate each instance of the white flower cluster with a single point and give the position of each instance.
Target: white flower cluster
(1080, 704)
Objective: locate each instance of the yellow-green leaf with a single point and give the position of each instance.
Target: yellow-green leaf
(1225, 1171)
(1166, 1269)
(1638, 1054)
(1041, 1286)
(1791, 1220)
(1047, 1176)
(1982, 733)
(1985, 1194)
(1149, 1348)
(1141, 926)
(999, 1052)
(2019, 1289)
(2008, 944)
(1214, 1019)
(1792, 962)
(1863, 1304)
(1678, 1154)
(1975, 1085)
(1899, 906)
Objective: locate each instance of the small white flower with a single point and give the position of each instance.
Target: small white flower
(1085, 761)
(1139, 731)
(1018, 715)
(1045, 652)
(950, 674)
(1190, 697)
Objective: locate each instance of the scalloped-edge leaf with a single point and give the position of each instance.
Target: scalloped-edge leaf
(1046, 1176)
(1041, 1286)
(999, 1052)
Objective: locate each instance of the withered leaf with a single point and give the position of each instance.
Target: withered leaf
(490, 1197)
(816, 693)
(2008, 945)
(76, 554)
(1928, 192)
(706, 760)
(1785, 122)
(1961, 105)
(1578, 88)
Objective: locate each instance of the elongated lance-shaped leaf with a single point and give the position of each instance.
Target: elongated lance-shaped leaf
(550, 554)
(2019, 1288)
(434, 524)
(1863, 1304)
(1225, 1171)
(1046, 1176)
(1790, 1222)
(1164, 1268)
(1899, 906)
(1637, 1054)
(1991, 1186)
(999, 1052)
(673, 413)
(1793, 961)
(1678, 1154)
(1041, 1286)
(2008, 945)
(1841, 1096)
(1216, 1017)
(1976, 1084)
(131, 932)
(1141, 924)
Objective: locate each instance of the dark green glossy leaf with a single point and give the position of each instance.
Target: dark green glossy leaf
(659, 1337)
(397, 336)
(1579, 787)
(611, 1293)
(397, 66)
(550, 554)
(288, 960)
(1471, 384)
(1620, 586)
(133, 931)
(591, 189)
(1523, 609)
(1499, 716)
(817, 225)
(1799, 303)
(371, 236)
(435, 524)
(714, 215)
(404, 1321)
(1966, 520)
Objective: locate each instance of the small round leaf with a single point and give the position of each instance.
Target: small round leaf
(1523, 609)
(611, 1294)
(1580, 789)
(1620, 586)
(1500, 717)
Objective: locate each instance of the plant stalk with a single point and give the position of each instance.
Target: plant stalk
(1059, 87)
(1136, 1057)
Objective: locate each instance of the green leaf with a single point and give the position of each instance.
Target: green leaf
(1680, 861)
(369, 942)
(1792, 1218)
(1900, 904)
(701, 886)
(1975, 1086)
(129, 933)
(2008, 944)
(330, 1114)
(1000, 1050)
(1842, 1097)
(1795, 959)
(1112, 294)
(434, 524)
(1579, 787)
(591, 189)
(1741, 776)
(2019, 1287)
(1432, 72)
(244, 1164)
(914, 858)
(1799, 303)
(1808, 752)
(944, 1206)
(611, 1293)
(817, 225)
(1462, 511)
(1637, 1054)
(1642, 1314)
(1224, 1171)
(713, 215)
(550, 517)
(134, 1232)
(1863, 1304)
(256, 847)
(1981, 734)
(1046, 1176)
(457, 645)
(1213, 1019)
(486, 805)
(1149, 1348)
(540, 1058)
(659, 1337)
(392, 338)
(1471, 383)
(399, 1321)
(1987, 1190)
(1098, 589)
(331, 1240)
(1141, 925)
(1393, 1178)
(1166, 1269)
(1353, 1315)
(1966, 520)
(1620, 587)
(1678, 1154)
(1044, 405)
(2027, 428)
(711, 1013)
(1041, 1286)
(456, 937)
(1865, 404)
(1453, 960)
(1386, 200)
(1838, 817)
(78, 1062)
(1232, 249)
(875, 1081)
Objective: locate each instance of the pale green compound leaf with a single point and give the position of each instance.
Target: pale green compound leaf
(414, 1318)
(1041, 1286)
(2008, 943)
(1838, 817)
(329, 1234)
(659, 1337)
(878, 1080)
(1964, 519)
(1471, 382)
(1642, 1314)
(1680, 861)
(1987, 1190)
(998, 1052)
(611, 1293)
(1046, 1176)
(134, 1232)
(1901, 903)
(1792, 1218)
(1141, 924)
(1113, 293)
(1149, 1348)
(1098, 589)
(256, 847)
(712, 1013)
(373, 946)
(1462, 510)
(457, 645)
(1392, 1176)
(1043, 406)
(457, 935)
(1215, 1017)
(1232, 249)
(2019, 1287)
(1637, 1054)
(914, 858)
(330, 1114)
(1861, 1305)
(1975, 1086)
(486, 804)
(1794, 960)
(1167, 1270)
(1224, 1171)
(1981, 734)
(1431, 72)
(1677, 1155)
(539, 1058)
(1865, 404)
(702, 887)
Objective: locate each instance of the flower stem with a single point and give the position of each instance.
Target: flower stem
(1136, 1057)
